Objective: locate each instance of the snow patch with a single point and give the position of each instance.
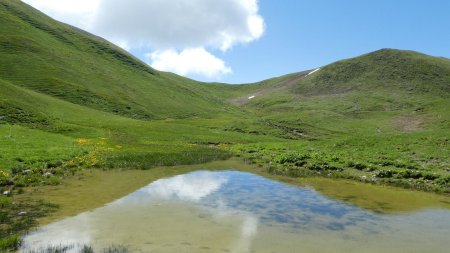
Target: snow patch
(312, 72)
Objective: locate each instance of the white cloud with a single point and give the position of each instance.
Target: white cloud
(195, 61)
(166, 27)
(188, 187)
(165, 24)
(80, 13)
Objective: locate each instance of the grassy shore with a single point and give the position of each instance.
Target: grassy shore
(92, 188)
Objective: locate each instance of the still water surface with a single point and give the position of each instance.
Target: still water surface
(238, 212)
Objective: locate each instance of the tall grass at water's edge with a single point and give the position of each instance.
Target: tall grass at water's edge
(85, 248)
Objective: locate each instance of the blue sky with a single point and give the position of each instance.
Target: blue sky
(211, 40)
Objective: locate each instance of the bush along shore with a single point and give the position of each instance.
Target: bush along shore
(306, 163)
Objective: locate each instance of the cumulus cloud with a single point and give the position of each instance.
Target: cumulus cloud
(80, 13)
(180, 23)
(172, 30)
(188, 187)
(195, 61)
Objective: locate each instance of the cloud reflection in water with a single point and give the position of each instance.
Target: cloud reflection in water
(240, 212)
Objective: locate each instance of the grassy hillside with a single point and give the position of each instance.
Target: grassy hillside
(49, 57)
(379, 86)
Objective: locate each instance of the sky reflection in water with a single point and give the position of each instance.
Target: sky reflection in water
(233, 211)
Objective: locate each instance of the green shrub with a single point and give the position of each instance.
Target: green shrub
(410, 174)
(295, 158)
(4, 201)
(445, 180)
(87, 249)
(430, 176)
(53, 180)
(385, 174)
(10, 243)
(358, 166)
(115, 249)
(315, 167)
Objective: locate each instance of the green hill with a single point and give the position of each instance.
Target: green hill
(56, 59)
(377, 87)
(386, 69)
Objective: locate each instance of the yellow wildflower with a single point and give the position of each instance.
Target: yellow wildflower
(4, 173)
(82, 141)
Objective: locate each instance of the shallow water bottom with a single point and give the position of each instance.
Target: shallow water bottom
(230, 211)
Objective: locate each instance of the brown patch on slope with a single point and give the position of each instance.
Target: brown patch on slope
(411, 123)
